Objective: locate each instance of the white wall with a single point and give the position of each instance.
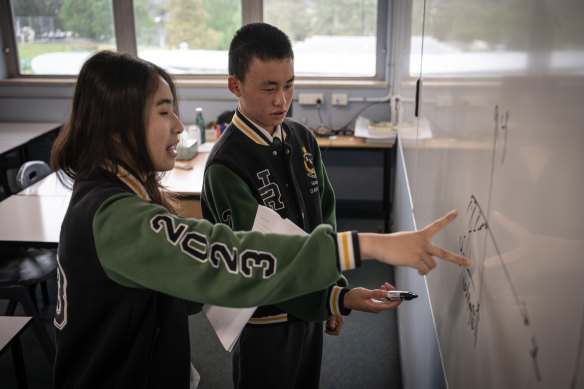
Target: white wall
(52, 103)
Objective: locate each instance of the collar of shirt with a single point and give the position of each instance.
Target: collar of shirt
(252, 130)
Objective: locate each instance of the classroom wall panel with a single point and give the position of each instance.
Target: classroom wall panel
(52, 103)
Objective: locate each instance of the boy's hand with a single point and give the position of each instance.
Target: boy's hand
(334, 324)
(366, 300)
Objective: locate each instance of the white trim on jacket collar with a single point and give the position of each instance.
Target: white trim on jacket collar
(251, 133)
(128, 178)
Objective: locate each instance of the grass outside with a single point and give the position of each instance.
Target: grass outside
(27, 51)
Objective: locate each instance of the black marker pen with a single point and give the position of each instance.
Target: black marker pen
(400, 295)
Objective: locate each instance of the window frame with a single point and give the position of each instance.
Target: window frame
(252, 11)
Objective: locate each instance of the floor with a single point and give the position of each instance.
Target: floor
(365, 355)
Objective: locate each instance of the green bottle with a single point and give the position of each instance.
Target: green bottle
(200, 122)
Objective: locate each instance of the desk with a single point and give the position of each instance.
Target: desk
(350, 142)
(188, 185)
(14, 135)
(46, 202)
(361, 174)
(10, 329)
(34, 215)
(368, 164)
(21, 142)
(32, 220)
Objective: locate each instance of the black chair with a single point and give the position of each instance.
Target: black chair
(23, 269)
(8, 162)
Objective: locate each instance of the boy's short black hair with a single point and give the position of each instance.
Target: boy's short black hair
(260, 40)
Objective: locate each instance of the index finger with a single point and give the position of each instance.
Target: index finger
(439, 224)
(449, 256)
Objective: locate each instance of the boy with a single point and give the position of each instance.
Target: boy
(263, 158)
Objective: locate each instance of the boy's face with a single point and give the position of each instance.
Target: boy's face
(266, 93)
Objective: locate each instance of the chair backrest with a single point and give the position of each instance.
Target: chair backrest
(31, 172)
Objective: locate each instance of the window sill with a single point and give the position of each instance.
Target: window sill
(209, 82)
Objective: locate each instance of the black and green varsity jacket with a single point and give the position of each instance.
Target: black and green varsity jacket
(129, 272)
(244, 169)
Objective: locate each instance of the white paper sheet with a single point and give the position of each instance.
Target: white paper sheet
(362, 129)
(229, 322)
(268, 220)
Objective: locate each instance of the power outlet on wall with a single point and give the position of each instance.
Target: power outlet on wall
(339, 99)
(310, 98)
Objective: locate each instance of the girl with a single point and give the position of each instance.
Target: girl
(127, 264)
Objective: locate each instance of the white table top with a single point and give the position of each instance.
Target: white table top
(184, 182)
(32, 219)
(10, 326)
(34, 215)
(13, 135)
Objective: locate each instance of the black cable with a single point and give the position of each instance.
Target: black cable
(322, 130)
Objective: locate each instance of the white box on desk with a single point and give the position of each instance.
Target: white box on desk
(382, 132)
(187, 149)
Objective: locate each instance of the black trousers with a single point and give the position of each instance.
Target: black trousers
(282, 356)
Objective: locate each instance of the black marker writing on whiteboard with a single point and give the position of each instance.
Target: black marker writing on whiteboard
(400, 295)
(478, 230)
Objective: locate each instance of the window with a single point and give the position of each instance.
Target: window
(460, 38)
(191, 37)
(55, 37)
(187, 36)
(330, 38)
(483, 38)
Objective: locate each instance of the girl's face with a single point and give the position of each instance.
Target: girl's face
(163, 128)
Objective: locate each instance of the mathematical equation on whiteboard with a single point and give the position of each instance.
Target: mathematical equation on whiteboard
(472, 244)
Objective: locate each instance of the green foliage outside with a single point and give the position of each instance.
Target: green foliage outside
(203, 24)
(210, 24)
(223, 17)
(39, 8)
(146, 26)
(187, 25)
(91, 20)
(27, 51)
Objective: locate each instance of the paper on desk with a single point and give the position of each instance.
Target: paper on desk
(364, 129)
(229, 322)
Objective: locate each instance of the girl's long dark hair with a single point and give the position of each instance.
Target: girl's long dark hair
(110, 100)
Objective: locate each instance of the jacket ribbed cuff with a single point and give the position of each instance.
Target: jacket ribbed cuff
(336, 301)
(348, 252)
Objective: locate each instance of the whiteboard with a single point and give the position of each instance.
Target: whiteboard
(507, 151)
